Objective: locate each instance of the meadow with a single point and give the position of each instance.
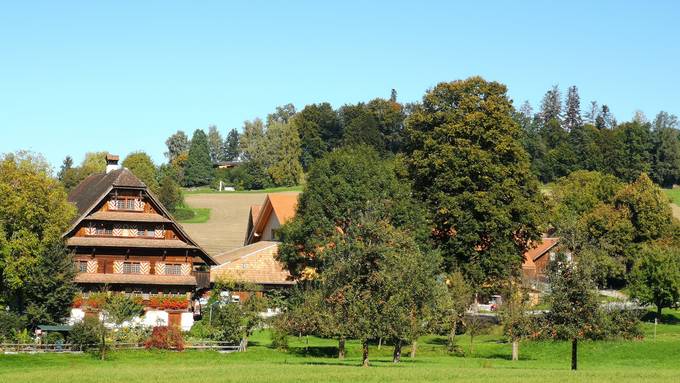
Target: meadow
(648, 360)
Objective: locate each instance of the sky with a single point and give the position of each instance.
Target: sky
(123, 76)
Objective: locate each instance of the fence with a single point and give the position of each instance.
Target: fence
(35, 348)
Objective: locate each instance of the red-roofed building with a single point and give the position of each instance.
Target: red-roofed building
(536, 259)
(266, 219)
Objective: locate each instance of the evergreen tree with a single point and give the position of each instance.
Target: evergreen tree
(666, 156)
(634, 150)
(253, 140)
(232, 149)
(66, 166)
(469, 167)
(215, 145)
(177, 144)
(605, 119)
(591, 114)
(284, 148)
(360, 127)
(389, 116)
(198, 170)
(551, 106)
(572, 117)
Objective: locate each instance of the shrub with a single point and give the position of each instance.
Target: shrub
(121, 308)
(203, 330)
(226, 319)
(136, 335)
(9, 324)
(279, 338)
(183, 214)
(86, 335)
(53, 338)
(165, 338)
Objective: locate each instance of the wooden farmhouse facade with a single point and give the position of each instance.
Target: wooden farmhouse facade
(125, 240)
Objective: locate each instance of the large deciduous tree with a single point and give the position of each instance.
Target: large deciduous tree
(215, 144)
(469, 166)
(36, 272)
(655, 278)
(177, 144)
(198, 170)
(141, 165)
(283, 145)
(320, 130)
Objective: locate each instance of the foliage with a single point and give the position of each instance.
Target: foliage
(344, 186)
(165, 338)
(469, 167)
(86, 334)
(10, 323)
(231, 146)
(283, 145)
(360, 127)
(121, 308)
(320, 131)
(655, 278)
(453, 303)
(177, 144)
(215, 145)
(649, 210)
(198, 170)
(170, 194)
(141, 165)
(226, 322)
(34, 213)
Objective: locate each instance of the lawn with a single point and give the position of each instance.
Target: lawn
(616, 361)
(673, 194)
(198, 215)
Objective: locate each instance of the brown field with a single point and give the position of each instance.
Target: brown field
(226, 228)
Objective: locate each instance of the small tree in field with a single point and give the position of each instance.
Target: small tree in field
(517, 323)
(455, 302)
(574, 309)
(655, 278)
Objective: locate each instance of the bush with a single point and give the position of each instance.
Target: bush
(279, 338)
(86, 335)
(136, 335)
(202, 330)
(183, 214)
(10, 323)
(226, 319)
(165, 338)
(121, 308)
(53, 338)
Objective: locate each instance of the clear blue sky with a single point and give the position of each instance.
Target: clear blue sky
(122, 76)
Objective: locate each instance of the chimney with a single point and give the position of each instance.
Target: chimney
(111, 163)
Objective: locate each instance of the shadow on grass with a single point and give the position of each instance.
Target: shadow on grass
(315, 351)
(665, 318)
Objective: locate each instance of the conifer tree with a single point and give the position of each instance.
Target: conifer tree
(231, 146)
(198, 170)
(551, 106)
(215, 144)
(572, 117)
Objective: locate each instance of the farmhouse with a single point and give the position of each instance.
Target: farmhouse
(536, 260)
(255, 262)
(124, 240)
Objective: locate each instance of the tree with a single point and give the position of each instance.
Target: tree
(344, 186)
(469, 167)
(655, 278)
(120, 308)
(551, 106)
(231, 146)
(572, 117)
(66, 166)
(170, 194)
(650, 212)
(34, 213)
(320, 131)
(666, 156)
(664, 120)
(360, 127)
(635, 147)
(574, 309)
(282, 115)
(199, 170)
(517, 323)
(284, 152)
(215, 145)
(141, 165)
(605, 119)
(389, 116)
(94, 162)
(457, 300)
(591, 113)
(177, 144)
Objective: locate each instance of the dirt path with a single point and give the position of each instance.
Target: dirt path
(226, 228)
(676, 210)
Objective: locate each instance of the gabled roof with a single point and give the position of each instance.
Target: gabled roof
(254, 263)
(542, 248)
(93, 189)
(282, 205)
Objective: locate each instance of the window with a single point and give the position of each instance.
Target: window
(104, 231)
(173, 269)
(122, 203)
(131, 268)
(81, 266)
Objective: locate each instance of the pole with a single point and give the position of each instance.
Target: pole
(656, 320)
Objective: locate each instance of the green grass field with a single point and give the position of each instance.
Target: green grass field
(648, 360)
(673, 194)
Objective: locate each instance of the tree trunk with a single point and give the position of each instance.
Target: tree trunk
(379, 343)
(414, 347)
(452, 336)
(245, 343)
(364, 347)
(396, 357)
(515, 349)
(658, 312)
(341, 348)
(574, 354)
(472, 349)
